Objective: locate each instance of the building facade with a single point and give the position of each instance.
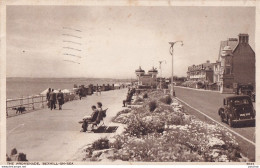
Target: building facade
(202, 72)
(235, 64)
(149, 79)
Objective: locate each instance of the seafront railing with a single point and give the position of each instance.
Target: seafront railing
(29, 103)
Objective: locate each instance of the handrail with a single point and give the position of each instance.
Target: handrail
(30, 102)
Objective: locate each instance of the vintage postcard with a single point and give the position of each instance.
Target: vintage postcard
(129, 82)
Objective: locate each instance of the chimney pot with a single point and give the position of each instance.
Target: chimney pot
(243, 38)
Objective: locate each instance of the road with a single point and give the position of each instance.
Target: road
(208, 102)
(46, 135)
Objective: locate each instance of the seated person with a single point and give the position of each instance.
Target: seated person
(127, 100)
(88, 119)
(99, 104)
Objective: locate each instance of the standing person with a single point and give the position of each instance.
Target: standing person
(55, 98)
(99, 90)
(48, 98)
(52, 99)
(80, 93)
(60, 98)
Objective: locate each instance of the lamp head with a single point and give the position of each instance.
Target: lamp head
(172, 43)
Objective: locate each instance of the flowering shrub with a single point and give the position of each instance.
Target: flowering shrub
(145, 96)
(138, 101)
(119, 118)
(118, 142)
(152, 105)
(194, 142)
(166, 99)
(100, 144)
(167, 135)
(142, 126)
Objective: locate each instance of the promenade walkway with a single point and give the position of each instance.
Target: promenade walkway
(46, 135)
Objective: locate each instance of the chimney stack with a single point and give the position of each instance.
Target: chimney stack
(243, 38)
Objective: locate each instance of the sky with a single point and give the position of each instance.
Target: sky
(112, 42)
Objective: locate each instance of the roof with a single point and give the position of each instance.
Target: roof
(208, 66)
(147, 75)
(139, 70)
(232, 42)
(153, 70)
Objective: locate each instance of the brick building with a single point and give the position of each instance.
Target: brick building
(235, 64)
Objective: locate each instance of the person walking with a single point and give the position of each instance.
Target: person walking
(80, 93)
(99, 90)
(53, 99)
(48, 98)
(60, 98)
(96, 89)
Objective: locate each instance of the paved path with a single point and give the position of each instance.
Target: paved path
(46, 135)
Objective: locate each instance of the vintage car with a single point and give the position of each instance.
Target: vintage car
(237, 109)
(246, 89)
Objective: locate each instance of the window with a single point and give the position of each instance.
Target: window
(241, 101)
(228, 71)
(228, 61)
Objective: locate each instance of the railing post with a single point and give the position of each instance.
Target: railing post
(42, 102)
(21, 101)
(32, 103)
(6, 109)
(28, 101)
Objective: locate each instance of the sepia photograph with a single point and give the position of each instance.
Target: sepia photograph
(115, 84)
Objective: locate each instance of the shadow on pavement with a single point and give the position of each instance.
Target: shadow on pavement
(105, 129)
(243, 125)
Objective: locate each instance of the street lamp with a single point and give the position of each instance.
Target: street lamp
(160, 62)
(171, 52)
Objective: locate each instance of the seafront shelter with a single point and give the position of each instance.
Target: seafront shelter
(148, 80)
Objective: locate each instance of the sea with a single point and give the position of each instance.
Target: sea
(17, 87)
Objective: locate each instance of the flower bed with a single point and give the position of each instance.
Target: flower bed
(167, 134)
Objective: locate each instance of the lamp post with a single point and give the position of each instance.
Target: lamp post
(160, 62)
(171, 52)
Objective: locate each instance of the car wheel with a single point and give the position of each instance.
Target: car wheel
(220, 112)
(230, 122)
(222, 118)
